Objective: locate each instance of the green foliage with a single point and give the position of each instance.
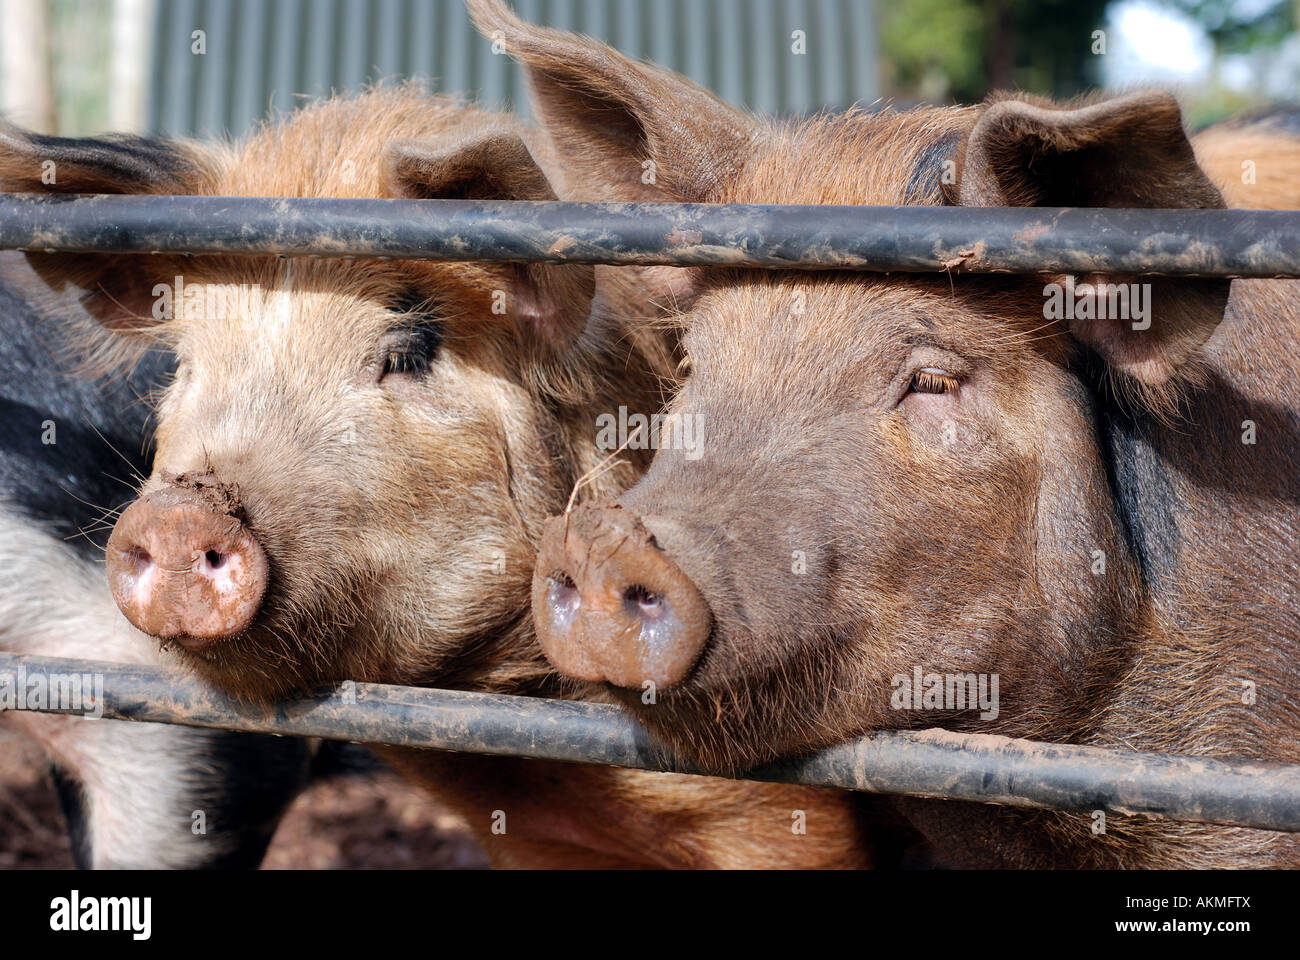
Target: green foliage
(934, 47)
(80, 31)
(959, 49)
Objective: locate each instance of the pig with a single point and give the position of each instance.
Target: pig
(355, 458)
(1254, 159)
(135, 795)
(939, 474)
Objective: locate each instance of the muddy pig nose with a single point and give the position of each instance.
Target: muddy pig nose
(181, 567)
(610, 606)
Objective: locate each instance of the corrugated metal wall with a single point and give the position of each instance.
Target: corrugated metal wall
(262, 53)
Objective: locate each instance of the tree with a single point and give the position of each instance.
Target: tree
(962, 49)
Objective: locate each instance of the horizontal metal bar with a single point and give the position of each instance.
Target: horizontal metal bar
(1207, 243)
(926, 763)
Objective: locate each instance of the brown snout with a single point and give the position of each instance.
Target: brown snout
(182, 567)
(610, 606)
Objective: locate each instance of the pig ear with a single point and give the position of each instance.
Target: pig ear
(1130, 151)
(118, 288)
(34, 163)
(621, 130)
(489, 166)
(551, 300)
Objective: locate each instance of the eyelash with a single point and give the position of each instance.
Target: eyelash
(398, 362)
(411, 350)
(933, 381)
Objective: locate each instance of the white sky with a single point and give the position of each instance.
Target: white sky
(1151, 44)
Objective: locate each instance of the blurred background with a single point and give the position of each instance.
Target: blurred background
(212, 67)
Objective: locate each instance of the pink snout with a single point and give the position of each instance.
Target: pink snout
(610, 605)
(181, 567)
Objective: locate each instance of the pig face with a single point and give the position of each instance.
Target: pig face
(354, 458)
(897, 474)
(871, 497)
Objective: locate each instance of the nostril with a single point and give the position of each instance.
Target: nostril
(180, 567)
(644, 602)
(564, 595)
(633, 615)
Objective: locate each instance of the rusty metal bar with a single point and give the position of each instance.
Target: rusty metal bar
(1207, 243)
(927, 763)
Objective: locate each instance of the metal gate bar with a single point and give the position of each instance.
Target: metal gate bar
(925, 763)
(1207, 243)
(933, 763)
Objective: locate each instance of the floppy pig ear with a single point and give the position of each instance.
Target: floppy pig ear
(1129, 151)
(552, 300)
(622, 130)
(118, 287)
(488, 166)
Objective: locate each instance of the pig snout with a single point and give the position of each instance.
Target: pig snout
(610, 606)
(182, 567)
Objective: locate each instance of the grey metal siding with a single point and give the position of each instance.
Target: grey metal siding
(268, 53)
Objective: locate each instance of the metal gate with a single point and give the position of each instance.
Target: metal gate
(1226, 243)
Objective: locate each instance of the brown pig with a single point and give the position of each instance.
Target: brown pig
(355, 458)
(1254, 160)
(1092, 506)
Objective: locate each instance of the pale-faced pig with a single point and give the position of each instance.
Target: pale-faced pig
(355, 459)
(1087, 510)
(135, 795)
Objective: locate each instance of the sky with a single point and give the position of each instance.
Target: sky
(1149, 43)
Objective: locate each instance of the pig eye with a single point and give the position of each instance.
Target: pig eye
(408, 350)
(396, 362)
(932, 380)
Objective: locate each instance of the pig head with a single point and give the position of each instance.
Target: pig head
(353, 457)
(902, 475)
